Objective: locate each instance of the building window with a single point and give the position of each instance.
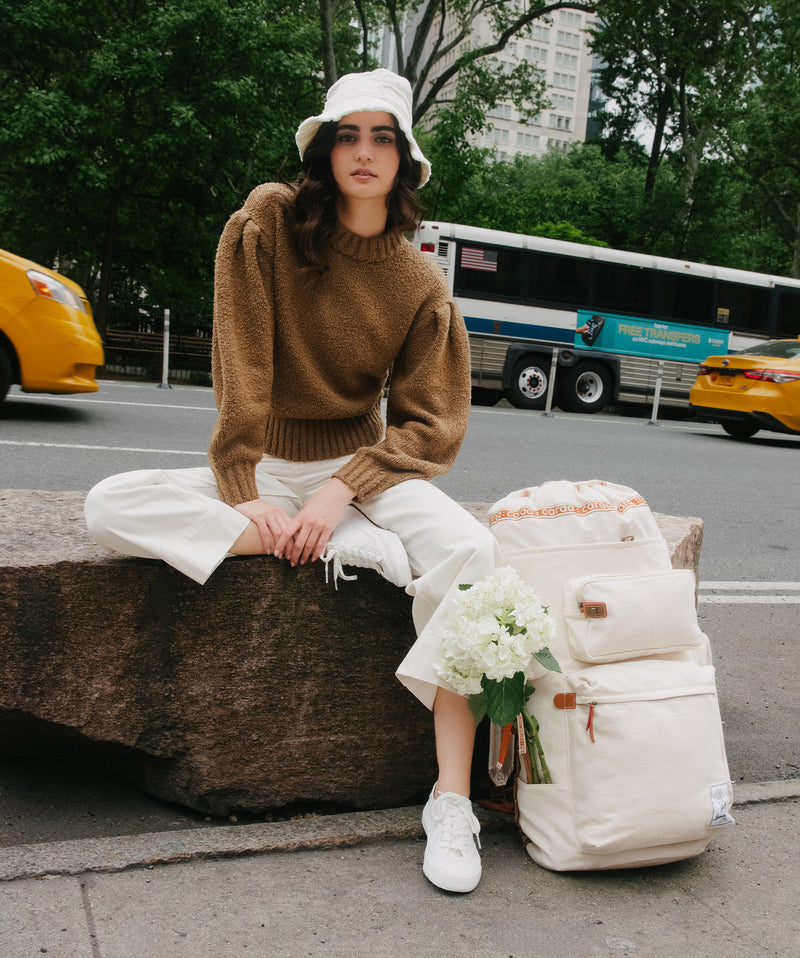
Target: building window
(566, 39)
(565, 80)
(527, 141)
(535, 54)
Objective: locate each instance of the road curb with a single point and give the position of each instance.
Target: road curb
(118, 853)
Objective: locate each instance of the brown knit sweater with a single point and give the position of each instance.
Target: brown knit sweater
(300, 364)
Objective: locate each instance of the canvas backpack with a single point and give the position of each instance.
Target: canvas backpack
(631, 726)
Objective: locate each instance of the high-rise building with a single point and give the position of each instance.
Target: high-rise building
(559, 47)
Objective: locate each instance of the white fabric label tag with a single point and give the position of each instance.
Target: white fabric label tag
(719, 806)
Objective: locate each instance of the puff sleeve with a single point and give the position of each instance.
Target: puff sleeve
(242, 356)
(427, 409)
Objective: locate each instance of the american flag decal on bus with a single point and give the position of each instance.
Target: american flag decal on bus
(485, 259)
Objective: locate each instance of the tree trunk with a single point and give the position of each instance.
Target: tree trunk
(796, 246)
(327, 10)
(654, 160)
(106, 266)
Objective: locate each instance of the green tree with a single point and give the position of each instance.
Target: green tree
(132, 130)
(433, 45)
(681, 68)
(579, 196)
(764, 142)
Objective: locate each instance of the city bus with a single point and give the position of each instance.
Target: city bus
(603, 324)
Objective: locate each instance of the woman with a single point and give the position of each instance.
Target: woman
(317, 296)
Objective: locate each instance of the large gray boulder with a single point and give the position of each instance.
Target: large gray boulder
(264, 688)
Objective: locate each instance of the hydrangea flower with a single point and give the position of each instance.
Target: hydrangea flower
(495, 636)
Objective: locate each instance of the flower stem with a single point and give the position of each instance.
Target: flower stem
(541, 773)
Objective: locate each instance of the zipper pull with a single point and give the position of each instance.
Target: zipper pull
(590, 722)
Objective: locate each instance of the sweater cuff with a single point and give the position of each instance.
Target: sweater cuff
(237, 485)
(367, 479)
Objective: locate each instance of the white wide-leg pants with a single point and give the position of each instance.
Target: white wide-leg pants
(177, 516)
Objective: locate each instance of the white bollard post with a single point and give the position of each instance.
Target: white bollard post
(551, 385)
(164, 384)
(657, 396)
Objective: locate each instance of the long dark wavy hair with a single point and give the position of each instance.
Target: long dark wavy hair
(313, 212)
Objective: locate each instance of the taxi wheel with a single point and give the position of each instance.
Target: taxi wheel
(740, 430)
(6, 373)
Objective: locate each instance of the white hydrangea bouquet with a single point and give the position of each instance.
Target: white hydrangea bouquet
(495, 634)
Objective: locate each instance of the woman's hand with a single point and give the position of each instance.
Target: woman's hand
(307, 534)
(270, 521)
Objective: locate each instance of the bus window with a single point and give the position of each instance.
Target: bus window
(743, 307)
(489, 273)
(689, 299)
(788, 314)
(623, 289)
(560, 280)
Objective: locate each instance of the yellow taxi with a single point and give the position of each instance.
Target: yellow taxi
(48, 340)
(756, 388)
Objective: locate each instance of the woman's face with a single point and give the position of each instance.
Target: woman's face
(365, 157)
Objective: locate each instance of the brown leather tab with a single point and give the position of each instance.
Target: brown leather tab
(594, 610)
(565, 700)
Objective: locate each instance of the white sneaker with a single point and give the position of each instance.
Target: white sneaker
(451, 859)
(358, 542)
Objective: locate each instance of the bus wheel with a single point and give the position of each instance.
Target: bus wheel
(482, 396)
(584, 387)
(529, 383)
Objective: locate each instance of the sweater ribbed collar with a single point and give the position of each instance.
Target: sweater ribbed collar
(369, 249)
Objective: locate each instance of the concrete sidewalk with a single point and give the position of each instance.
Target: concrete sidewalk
(347, 886)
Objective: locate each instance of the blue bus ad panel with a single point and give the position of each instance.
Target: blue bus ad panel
(629, 336)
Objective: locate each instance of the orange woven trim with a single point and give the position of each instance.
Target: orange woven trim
(565, 509)
(631, 503)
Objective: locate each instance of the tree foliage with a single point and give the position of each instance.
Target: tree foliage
(131, 130)
(680, 68)
(763, 142)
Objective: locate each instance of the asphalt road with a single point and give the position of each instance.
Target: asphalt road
(746, 494)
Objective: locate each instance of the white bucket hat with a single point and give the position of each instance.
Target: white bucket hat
(380, 90)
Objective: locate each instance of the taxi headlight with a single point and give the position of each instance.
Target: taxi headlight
(44, 285)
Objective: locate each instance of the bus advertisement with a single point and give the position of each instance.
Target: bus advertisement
(629, 336)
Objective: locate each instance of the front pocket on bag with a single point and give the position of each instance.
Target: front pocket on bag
(646, 754)
(611, 618)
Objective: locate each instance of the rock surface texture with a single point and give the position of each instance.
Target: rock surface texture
(263, 689)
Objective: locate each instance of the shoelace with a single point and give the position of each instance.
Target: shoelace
(355, 556)
(332, 555)
(459, 825)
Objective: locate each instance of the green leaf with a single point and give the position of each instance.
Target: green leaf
(547, 659)
(477, 705)
(464, 586)
(504, 698)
